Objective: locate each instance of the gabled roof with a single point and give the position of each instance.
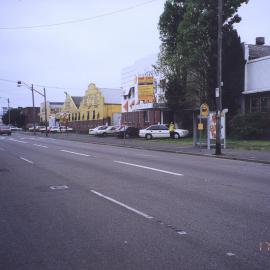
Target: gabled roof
(258, 51)
(111, 95)
(77, 100)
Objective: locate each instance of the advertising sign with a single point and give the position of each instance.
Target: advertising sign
(146, 88)
(212, 125)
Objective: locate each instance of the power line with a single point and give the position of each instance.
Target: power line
(38, 85)
(78, 20)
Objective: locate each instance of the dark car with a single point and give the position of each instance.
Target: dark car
(5, 130)
(128, 132)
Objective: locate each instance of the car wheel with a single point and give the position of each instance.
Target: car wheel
(148, 136)
(126, 136)
(104, 134)
(176, 135)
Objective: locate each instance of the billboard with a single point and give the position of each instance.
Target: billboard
(212, 126)
(146, 89)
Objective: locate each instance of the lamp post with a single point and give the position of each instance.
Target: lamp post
(31, 87)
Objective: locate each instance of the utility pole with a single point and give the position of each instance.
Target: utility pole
(34, 114)
(46, 120)
(219, 79)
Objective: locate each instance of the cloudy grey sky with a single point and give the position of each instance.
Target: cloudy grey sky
(73, 55)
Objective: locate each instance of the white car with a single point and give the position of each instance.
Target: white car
(93, 131)
(108, 130)
(161, 131)
(55, 129)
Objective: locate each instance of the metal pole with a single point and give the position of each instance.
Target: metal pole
(46, 120)
(8, 112)
(34, 115)
(219, 79)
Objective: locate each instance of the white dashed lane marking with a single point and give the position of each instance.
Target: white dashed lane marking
(27, 160)
(148, 168)
(122, 204)
(39, 145)
(75, 153)
(13, 140)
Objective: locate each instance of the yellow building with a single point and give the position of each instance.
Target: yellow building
(100, 103)
(98, 106)
(71, 107)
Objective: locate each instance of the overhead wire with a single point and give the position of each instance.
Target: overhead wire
(78, 20)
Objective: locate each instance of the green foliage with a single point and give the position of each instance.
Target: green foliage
(250, 126)
(16, 117)
(188, 56)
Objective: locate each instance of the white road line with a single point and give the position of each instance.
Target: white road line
(148, 168)
(122, 204)
(17, 141)
(143, 155)
(39, 145)
(27, 160)
(75, 153)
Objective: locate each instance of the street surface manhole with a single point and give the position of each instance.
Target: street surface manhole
(58, 187)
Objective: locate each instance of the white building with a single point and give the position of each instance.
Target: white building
(143, 98)
(257, 77)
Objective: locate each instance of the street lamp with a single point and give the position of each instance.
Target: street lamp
(31, 87)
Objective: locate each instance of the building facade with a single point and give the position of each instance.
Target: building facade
(98, 106)
(257, 77)
(143, 96)
(53, 108)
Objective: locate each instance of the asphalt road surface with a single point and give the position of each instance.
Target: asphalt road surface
(72, 205)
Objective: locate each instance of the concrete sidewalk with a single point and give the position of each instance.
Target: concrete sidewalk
(162, 145)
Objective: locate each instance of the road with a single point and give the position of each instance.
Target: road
(72, 205)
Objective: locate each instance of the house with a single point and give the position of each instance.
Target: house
(257, 77)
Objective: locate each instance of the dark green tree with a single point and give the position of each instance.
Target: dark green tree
(188, 56)
(16, 117)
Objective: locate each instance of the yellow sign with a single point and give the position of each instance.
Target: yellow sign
(146, 88)
(204, 109)
(200, 126)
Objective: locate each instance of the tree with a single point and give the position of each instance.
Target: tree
(16, 117)
(188, 56)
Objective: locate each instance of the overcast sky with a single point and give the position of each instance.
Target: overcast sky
(73, 55)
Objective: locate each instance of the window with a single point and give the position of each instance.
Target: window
(254, 104)
(79, 116)
(69, 117)
(146, 116)
(82, 116)
(88, 115)
(94, 115)
(98, 116)
(73, 117)
(264, 104)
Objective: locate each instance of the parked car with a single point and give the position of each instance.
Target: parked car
(55, 129)
(5, 130)
(128, 132)
(13, 128)
(161, 131)
(93, 131)
(107, 131)
(31, 129)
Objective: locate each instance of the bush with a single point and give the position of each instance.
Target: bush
(250, 126)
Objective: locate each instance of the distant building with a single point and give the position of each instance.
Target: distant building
(53, 108)
(257, 77)
(31, 115)
(98, 106)
(143, 97)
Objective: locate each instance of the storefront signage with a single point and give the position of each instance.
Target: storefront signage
(146, 88)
